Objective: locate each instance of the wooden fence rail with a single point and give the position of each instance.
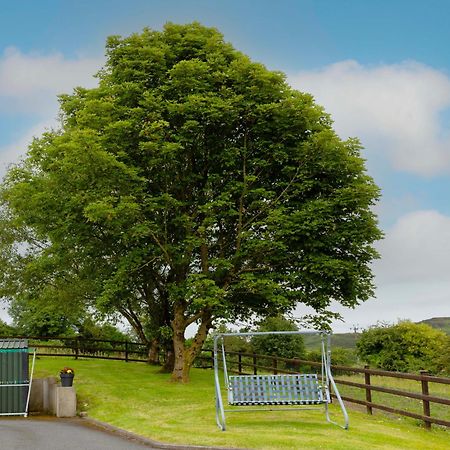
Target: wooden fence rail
(87, 348)
(243, 363)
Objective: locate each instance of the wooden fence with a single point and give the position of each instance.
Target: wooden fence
(86, 348)
(251, 363)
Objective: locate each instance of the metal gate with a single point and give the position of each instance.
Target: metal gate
(15, 382)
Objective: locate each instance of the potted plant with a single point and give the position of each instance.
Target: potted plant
(66, 374)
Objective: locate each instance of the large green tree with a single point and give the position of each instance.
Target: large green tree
(194, 185)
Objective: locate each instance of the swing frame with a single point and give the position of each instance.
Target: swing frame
(326, 381)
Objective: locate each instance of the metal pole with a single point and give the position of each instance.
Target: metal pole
(29, 386)
(220, 413)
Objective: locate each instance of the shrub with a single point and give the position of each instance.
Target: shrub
(404, 347)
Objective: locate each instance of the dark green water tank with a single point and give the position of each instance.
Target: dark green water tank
(13, 371)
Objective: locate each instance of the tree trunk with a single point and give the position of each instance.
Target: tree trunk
(180, 373)
(169, 362)
(153, 353)
(185, 356)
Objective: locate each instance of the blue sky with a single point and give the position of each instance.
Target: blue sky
(380, 68)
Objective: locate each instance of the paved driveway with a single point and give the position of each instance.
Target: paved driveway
(59, 434)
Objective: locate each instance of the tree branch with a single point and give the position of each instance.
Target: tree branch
(241, 199)
(168, 258)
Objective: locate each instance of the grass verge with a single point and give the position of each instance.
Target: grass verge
(135, 397)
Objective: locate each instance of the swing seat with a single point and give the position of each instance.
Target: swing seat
(298, 389)
(304, 390)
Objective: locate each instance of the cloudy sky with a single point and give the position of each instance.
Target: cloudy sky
(380, 68)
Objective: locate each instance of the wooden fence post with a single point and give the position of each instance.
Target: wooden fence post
(126, 351)
(368, 391)
(426, 403)
(255, 369)
(275, 366)
(77, 347)
(240, 363)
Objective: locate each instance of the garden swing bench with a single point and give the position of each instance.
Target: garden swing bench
(305, 390)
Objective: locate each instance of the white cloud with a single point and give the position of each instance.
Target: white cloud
(416, 248)
(412, 275)
(391, 108)
(414, 301)
(30, 82)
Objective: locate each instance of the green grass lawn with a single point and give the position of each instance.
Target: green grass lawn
(135, 397)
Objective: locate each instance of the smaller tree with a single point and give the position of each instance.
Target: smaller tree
(283, 346)
(232, 343)
(51, 319)
(7, 330)
(404, 347)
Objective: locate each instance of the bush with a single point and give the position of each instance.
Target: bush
(339, 356)
(405, 347)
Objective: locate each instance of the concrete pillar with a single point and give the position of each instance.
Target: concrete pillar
(66, 402)
(50, 395)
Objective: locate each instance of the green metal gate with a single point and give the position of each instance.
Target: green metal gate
(15, 382)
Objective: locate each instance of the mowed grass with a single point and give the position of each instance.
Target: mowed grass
(135, 397)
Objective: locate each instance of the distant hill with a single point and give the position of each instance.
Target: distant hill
(348, 340)
(441, 323)
(345, 340)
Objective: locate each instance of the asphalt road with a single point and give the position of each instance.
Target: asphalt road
(58, 434)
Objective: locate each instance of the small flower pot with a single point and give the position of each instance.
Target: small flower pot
(66, 379)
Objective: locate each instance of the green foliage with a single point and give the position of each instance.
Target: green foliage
(90, 329)
(405, 347)
(443, 360)
(283, 346)
(50, 319)
(339, 356)
(232, 343)
(191, 185)
(7, 330)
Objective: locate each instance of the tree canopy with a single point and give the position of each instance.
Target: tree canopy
(191, 185)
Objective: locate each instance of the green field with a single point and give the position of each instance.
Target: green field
(135, 397)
